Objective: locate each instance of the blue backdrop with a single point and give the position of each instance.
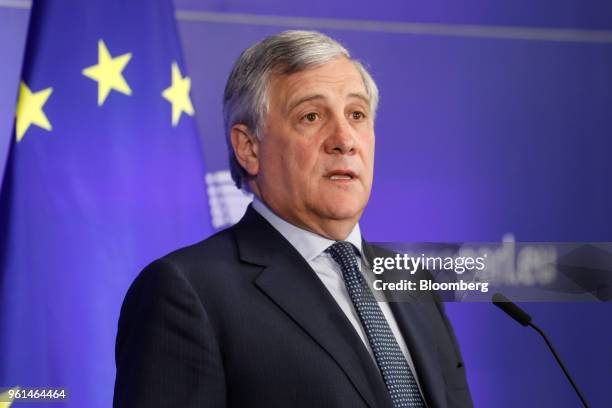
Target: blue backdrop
(493, 129)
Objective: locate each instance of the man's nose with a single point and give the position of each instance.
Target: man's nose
(341, 137)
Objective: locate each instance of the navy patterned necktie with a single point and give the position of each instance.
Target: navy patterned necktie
(395, 370)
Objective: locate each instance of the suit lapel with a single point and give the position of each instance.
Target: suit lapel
(413, 320)
(413, 312)
(290, 282)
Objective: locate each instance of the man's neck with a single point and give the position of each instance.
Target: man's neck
(336, 235)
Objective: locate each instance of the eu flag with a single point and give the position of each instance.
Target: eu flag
(105, 174)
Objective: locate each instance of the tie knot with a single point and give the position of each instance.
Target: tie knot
(343, 253)
(341, 247)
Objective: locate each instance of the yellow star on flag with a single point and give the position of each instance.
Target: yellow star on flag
(5, 399)
(30, 110)
(178, 95)
(108, 73)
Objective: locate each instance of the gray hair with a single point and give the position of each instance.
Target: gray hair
(245, 99)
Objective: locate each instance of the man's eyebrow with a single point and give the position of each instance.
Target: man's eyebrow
(303, 99)
(309, 98)
(361, 96)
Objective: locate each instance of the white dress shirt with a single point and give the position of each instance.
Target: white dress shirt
(312, 248)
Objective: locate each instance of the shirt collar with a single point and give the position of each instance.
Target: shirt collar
(308, 244)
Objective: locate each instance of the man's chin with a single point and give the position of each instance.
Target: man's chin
(341, 210)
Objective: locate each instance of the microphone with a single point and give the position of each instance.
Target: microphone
(524, 319)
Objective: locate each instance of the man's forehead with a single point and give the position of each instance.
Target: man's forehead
(337, 76)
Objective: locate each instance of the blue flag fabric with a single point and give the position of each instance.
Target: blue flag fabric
(105, 174)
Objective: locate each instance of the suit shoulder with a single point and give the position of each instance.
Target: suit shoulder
(217, 248)
(202, 261)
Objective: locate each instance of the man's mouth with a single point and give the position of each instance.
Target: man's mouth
(341, 175)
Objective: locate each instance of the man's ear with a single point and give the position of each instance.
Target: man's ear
(246, 148)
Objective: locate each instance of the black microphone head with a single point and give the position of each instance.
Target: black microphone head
(511, 309)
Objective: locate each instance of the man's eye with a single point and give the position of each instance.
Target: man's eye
(311, 117)
(357, 115)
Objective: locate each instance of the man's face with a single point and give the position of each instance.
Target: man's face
(316, 155)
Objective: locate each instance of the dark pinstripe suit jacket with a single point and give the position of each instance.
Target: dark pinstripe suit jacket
(241, 320)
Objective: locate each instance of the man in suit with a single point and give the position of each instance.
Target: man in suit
(273, 312)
